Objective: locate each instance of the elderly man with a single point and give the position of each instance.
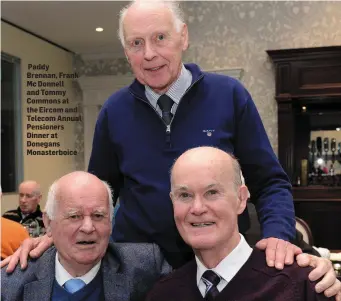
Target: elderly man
(138, 137)
(28, 213)
(208, 196)
(82, 266)
(172, 107)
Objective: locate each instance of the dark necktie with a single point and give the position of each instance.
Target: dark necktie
(165, 103)
(211, 280)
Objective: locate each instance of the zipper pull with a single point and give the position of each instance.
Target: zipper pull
(168, 136)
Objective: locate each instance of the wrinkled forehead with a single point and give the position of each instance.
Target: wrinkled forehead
(201, 171)
(27, 187)
(87, 198)
(142, 20)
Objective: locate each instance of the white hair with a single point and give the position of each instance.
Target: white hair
(51, 203)
(174, 7)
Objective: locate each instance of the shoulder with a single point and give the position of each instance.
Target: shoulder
(117, 98)
(13, 212)
(142, 253)
(7, 224)
(167, 285)
(292, 271)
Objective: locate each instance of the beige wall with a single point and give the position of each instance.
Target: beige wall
(31, 50)
(236, 34)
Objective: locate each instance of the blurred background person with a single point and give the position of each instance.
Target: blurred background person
(28, 212)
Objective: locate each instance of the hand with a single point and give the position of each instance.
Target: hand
(322, 268)
(278, 251)
(33, 247)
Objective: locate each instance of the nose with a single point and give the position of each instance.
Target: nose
(87, 225)
(149, 52)
(198, 207)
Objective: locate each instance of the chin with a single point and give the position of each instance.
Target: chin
(201, 244)
(87, 259)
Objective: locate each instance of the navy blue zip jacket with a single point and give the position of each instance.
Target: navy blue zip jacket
(133, 150)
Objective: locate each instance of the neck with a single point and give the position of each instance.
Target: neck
(210, 258)
(75, 269)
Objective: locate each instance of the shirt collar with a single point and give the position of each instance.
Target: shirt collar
(62, 275)
(231, 264)
(176, 90)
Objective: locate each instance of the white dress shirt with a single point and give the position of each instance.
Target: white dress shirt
(62, 275)
(227, 268)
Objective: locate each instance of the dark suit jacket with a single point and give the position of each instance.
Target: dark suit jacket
(255, 281)
(129, 270)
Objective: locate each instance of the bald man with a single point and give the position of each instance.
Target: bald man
(28, 213)
(82, 265)
(208, 196)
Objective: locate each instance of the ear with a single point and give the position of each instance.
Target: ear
(171, 196)
(243, 195)
(184, 37)
(126, 54)
(47, 224)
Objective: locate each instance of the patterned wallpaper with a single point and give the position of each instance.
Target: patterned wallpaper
(227, 34)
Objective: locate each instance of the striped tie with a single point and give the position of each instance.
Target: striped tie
(211, 280)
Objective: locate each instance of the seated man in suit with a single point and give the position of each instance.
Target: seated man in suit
(208, 195)
(81, 265)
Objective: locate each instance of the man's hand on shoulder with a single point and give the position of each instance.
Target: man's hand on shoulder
(33, 247)
(278, 252)
(329, 285)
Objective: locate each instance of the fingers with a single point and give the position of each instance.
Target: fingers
(303, 260)
(292, 251)
(261, 245)
(278, 252)
(321, 267)
(43, 245)
(13, 261)
(338, 295)
(335, 289)
(270, 251)
(5, 261)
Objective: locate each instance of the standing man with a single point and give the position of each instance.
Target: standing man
(28, 213)
(172, 107)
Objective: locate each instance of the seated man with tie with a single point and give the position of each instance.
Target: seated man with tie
(208, 196)
(81, 265)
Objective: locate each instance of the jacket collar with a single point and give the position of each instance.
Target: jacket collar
(41, 289)
(34, 214)
(116, 285)
(138, 90)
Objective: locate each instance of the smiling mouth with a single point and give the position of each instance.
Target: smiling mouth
(201, 225)
(86, 242)
(155, 69)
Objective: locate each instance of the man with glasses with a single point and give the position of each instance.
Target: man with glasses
(28, 213)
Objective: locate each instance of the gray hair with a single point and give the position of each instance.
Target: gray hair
(51, 203)
(174, 7)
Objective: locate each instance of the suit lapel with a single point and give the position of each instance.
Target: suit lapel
(41, 289)
(115, 284)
